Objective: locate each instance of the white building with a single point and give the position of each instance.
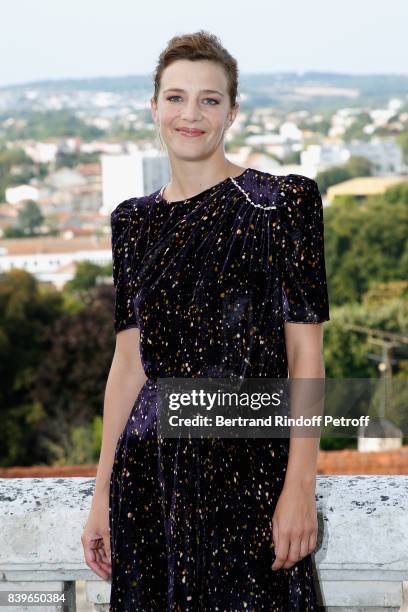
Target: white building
(132, 175)
(95, 146)
(384, 153)
(19, 193)
(41, 152)
(53, 259)
(290, 131)
(323, 156)
(64, 178)
(156, 171)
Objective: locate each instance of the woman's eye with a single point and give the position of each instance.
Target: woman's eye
(213, 100)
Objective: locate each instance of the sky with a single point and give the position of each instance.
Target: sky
(54, 39)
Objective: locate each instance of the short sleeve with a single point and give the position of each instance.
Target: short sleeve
(127, 253)
(304, 283)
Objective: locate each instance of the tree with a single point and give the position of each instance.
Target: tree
(383, 307)
(356, 166)
(355, 130)
(26, 311)
(9, 158)
(366, 242)
(70, 379)
(402, 140)
(55, 353)
(30, 218)
(86, 275)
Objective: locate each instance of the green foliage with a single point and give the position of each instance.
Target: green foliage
(327, 443)
(383, 307)
(320, 127)
(13, 231)
(11, 158)
(332, 176)
(25, 312)
(70, 380)
(121, 132)
(355, 131)
(293, 158)
(356, 166)
(18, 434)
(84, 444)
(402, 140)
(97, 429)
(346, 352)
(365, 242)
(30, 218)
(40, 125)
(55, 354)
(70, 160)
(86, 275)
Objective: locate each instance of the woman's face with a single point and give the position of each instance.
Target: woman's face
(193, 96)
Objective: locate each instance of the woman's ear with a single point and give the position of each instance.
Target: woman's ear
(232, 114)
(153, 108)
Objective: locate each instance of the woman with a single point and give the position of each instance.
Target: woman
(213, 274)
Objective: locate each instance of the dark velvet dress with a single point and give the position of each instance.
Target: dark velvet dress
(210, 282)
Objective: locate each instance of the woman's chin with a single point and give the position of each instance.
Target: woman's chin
(182, 154)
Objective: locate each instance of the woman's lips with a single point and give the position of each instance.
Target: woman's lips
(190, 133)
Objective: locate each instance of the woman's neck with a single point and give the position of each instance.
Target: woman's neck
(187, 181)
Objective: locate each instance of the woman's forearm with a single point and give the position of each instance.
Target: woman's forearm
(126, 378)
(307, 399)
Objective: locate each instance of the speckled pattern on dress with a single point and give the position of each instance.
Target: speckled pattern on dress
(209, 283)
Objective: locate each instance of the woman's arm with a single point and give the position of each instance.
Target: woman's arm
(126, 378)
(295, 518)
(304, 349)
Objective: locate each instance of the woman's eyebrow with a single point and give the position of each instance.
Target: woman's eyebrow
(201, 91)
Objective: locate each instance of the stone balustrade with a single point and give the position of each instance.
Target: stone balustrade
(361, 559)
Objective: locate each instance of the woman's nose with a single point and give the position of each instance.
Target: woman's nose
(191, 112)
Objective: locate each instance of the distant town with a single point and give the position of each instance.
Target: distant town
(70, 151)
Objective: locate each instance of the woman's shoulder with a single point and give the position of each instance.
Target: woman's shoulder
(300, 185)
(295, 196)
(283, 186)
(129, 208)
(128, 214)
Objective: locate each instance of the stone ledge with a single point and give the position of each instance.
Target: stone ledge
(361, 557)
